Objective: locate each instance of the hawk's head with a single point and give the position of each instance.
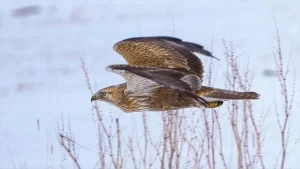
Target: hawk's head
(111, 94)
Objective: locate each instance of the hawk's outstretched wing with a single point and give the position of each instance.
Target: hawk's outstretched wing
(163, 52)
(140, 78)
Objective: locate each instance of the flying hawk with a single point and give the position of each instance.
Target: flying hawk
(163, 74)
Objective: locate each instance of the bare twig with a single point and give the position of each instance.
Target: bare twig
(287, 101)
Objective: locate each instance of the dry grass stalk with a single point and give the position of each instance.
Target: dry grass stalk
(67, 143)
(236, 80)
(288, 98)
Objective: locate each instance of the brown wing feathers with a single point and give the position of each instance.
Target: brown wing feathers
(192, 47)
(162, 51)
(149, 54)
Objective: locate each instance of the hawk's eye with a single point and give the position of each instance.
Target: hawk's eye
(102, 93)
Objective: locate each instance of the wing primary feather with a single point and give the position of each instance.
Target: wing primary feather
(193, 47)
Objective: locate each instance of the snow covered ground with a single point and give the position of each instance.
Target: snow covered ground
(40, 64)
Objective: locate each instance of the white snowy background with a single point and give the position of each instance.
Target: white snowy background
(41, 78)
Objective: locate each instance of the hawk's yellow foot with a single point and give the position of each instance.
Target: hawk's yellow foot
(214, 104)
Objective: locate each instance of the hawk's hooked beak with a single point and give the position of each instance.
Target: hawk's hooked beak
(93, 98)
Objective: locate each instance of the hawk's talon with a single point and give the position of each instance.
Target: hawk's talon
(214, 104)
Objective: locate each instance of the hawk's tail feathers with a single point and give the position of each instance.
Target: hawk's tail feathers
(222, 94)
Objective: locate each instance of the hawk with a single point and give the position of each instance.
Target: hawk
(162, 74)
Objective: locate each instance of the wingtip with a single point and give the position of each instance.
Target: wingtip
(213, 57)
(110, 68)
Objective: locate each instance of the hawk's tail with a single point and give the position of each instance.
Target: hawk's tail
(211, 94)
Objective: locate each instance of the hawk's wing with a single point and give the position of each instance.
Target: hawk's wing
(162, 51)
(176, 79)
